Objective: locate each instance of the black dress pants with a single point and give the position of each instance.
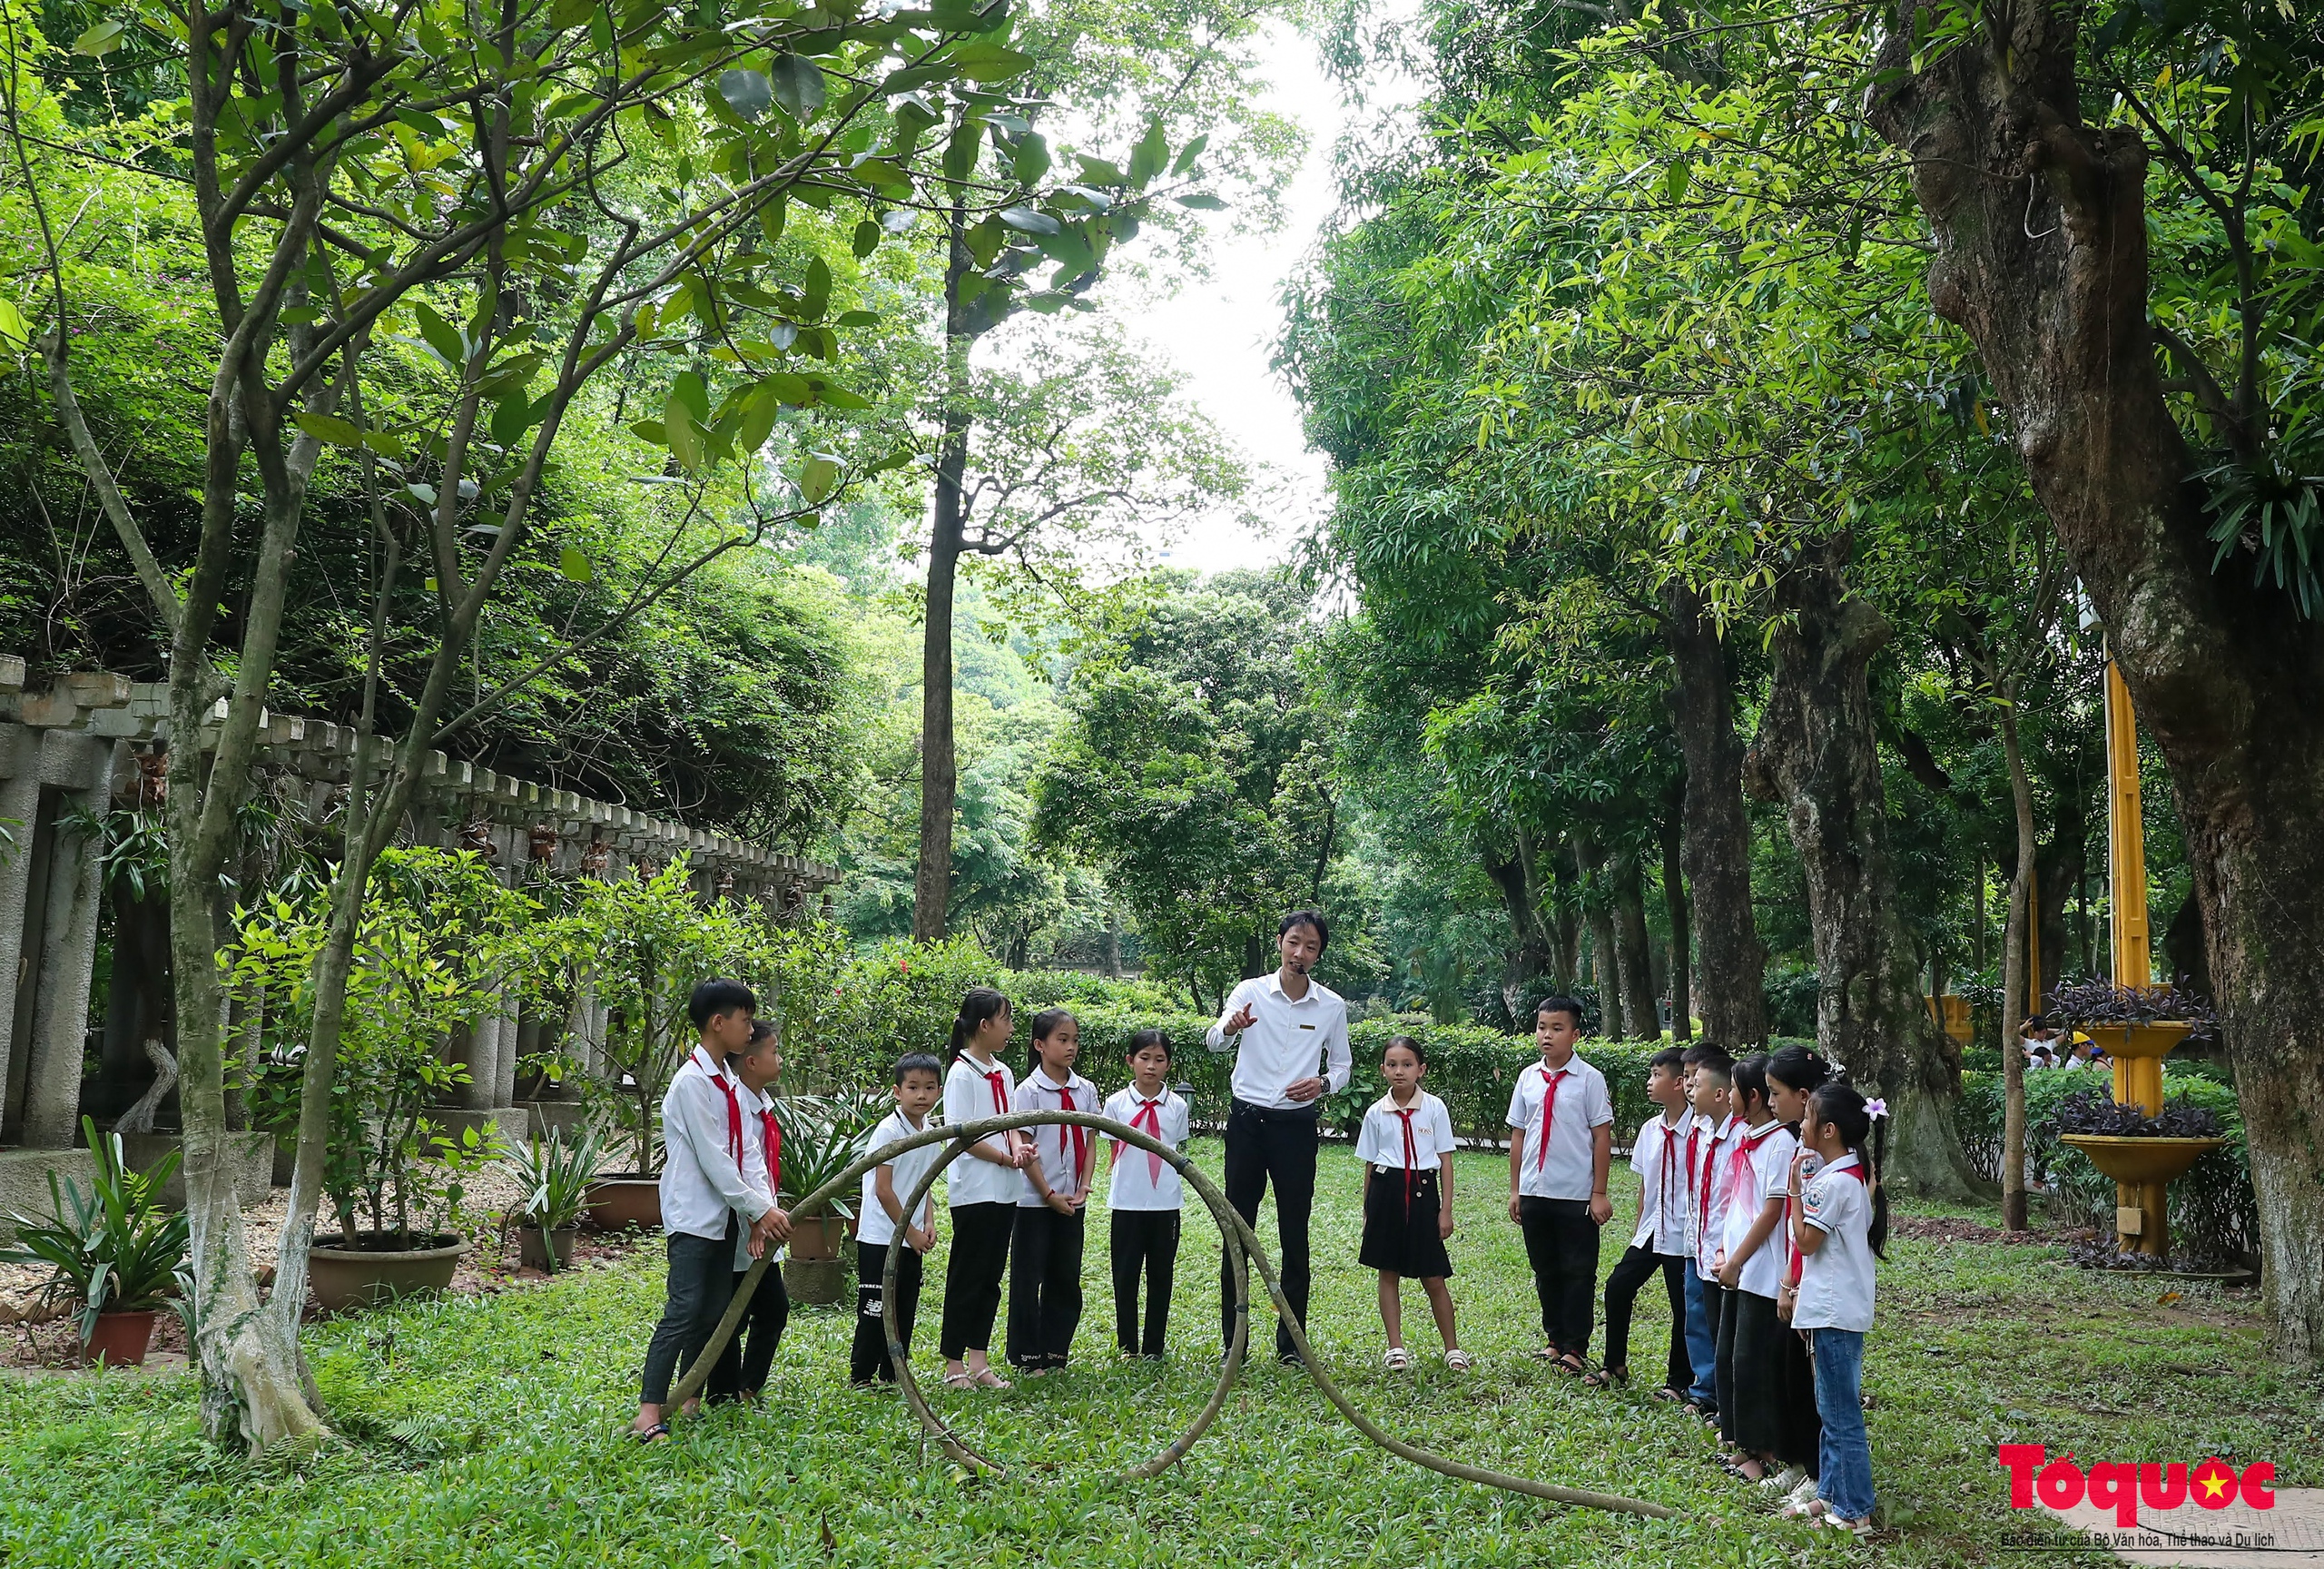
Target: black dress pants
(980, 1256)
(702, 1281)
(1143, 1241)
(743, 1367)
(1264, 1145)
(1562, 1244)
(1623, 1287)
(1044, 1286)
(868, 1358)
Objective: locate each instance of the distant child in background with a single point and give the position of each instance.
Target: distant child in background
(881, 1224)
(1406, 1147)
(1840, 1224)
(742, 1368)
(1560, 1148)
(1713, 1100)
(1659, 1156)
(1702, 1345)
(982, 1188)
(1751, 1266)
(1144, 1197)
(1045, 1258)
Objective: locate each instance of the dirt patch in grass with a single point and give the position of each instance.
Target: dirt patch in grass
(1955, 1228)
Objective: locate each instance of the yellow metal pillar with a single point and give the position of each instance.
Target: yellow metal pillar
(2125, 838)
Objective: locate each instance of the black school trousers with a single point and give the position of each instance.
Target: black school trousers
(868, 1357)
(1143, 1241)
(1562, 1244)
(743, 1367)
(1267, 1145)
(702, 1281)
(1623, 1287)
(1715, 1319)
(1044, 1286)
(981, 1234)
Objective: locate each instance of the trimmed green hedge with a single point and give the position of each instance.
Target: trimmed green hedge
(2213, 1210)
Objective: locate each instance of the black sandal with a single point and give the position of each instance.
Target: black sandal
(1607, 1378)
(653, 1435)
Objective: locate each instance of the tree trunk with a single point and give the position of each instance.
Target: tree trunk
(2015, 1002)
(1717, 843)
(1674, 900)
(1633, 958)
(1565, 926)
(1113, 942)
(1528, 955)
(1597, 909)
(1816, 753)
(2221, 670)
(939, 774)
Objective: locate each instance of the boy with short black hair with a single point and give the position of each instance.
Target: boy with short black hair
(707, 1204)
(919, 1082)
(743, 1367)
(1712, 1096)
(1702, 1337)
(1561, 1146)
(1659, 1242)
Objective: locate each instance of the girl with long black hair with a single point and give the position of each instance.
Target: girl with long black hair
(981, 1188)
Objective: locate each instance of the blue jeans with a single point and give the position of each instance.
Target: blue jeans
(1700, 1351)
(1845, 1451)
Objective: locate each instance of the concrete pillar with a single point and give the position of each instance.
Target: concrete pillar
(69, 945)
(19, 801)
(504, 1075)
(477, 1048)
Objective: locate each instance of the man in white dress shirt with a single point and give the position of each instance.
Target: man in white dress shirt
(1290, 1040)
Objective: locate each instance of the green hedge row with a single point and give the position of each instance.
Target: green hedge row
(2213, 1211)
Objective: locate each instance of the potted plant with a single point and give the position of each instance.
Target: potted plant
(821, 1135)
(556, 1175)
(394, 1176)
(2137, 1026)
(2141, 1150)
(644, 942)
(110, 1246)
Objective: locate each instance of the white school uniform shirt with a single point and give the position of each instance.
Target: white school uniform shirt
(703, 1183)
(970, 1096)
(757, 1104)
(1707, 1222)
(1659, 1156)
(1769, 1175)
(1835, 1280)
(1381, 1141)
(873, 1222)
(1562, 1166)
(1142, 1180)
(1288, 1041)
(1057, 1145)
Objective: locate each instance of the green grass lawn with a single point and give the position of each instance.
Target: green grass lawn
(486, 1432)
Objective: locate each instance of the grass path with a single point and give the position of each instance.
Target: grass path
(483, 1431)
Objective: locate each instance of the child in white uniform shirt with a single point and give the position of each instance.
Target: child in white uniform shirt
(880, 1225)
(1751, 1270)
(1659, 1156)
(1840, 1224)
(981, 1188)
(1145, 1196)
(1714, 1102)
(706, 1203)
(1560, 1148)
(1790, 1386)
(1406, 1147)
(1045, 1252)
(743, 1367)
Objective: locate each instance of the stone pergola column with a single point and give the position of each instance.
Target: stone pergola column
(19, 800)
(82, 765)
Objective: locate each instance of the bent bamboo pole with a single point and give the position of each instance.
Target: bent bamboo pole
(1242, 1248)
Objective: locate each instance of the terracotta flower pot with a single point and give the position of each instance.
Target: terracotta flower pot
(121, 1339)
(547, 1258)
(817, 1240)
(366, 1275)
(814, 1282)
(623, 1200)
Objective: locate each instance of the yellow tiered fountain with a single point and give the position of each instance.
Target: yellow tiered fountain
(2140, 1166)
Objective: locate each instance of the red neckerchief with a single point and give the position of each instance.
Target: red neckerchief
(1412, 1148)
(1855, 1169)
(1081, 1140)
(1148, 1117)
(1745, 1148)
(1702, 1216)
(1550, 1082)
(992, 1076)
(771, 1131)
(734, 1106)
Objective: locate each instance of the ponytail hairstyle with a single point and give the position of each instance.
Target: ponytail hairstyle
(1750, 1081)
(978, 1005)
(1800, 1068)
(1862, 1127)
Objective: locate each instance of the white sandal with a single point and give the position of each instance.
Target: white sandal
(1396, 1360)
(1459, 1361)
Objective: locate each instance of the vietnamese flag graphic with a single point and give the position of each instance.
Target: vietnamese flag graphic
(2213, 1484)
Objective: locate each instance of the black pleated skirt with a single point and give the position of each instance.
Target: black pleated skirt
(1400, 1234)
